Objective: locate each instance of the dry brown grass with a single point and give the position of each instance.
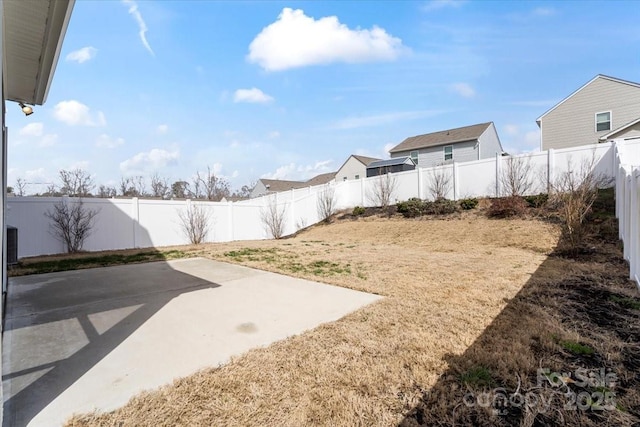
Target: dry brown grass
(445, 283)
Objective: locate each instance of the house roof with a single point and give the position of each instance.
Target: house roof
(599, 76)
(620, 129)
(278, 185)
(364, 159)
(323, 178)
(390, 162)
(449, 136)
(32, 35)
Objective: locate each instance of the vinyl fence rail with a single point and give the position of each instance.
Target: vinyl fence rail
(139, 223)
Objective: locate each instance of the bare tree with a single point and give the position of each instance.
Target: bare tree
(273, 218)
(180, 189)
(20, 187)
(517, 177)
(326, 203)
(71, 223)
(194, 220)
(209, 186)
(159, 187)
(574, 192)
(133, 186)
(76, 183)
(383, 190)
(245, 191)
(439, 183)
(106, 192)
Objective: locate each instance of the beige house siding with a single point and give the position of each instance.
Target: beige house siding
(573, 122)
(434, 156)
(351, 168)
(628, 133)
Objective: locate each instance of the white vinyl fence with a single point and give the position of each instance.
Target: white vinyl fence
(138, 223)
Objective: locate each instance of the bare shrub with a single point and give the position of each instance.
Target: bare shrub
(273, 218)
(506, 207)
(381, 194)
(326, 203)
(517, 177)
(160, 187)
(440, 183)
(194, 220)
(71, 223)
(21, 186)
(574, 192)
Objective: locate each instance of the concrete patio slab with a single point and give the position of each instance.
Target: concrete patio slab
(91, 339)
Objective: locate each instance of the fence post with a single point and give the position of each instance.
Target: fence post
(135, 216)
(456, 184)
(293, 211)
(551, 165)
(362, 191)
(420, 185)
(633, 224)
(498, 172)
(230, 221)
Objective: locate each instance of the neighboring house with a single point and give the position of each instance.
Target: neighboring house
(463, 144)
(268, 186)
(354, 168)
(604, 108)
(396, 164)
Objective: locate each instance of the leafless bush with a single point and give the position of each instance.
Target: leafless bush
(160, 187)
(440, 183)
(383, 189)
(71, 223)
(517, 178)
(273, 218)
(21, 187)
(326, 203)
(194, 220)
(574, 193)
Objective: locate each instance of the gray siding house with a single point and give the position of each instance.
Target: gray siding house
(604, 108)
(355, 167)
(463, 144)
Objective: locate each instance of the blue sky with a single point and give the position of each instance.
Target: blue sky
(290, 89)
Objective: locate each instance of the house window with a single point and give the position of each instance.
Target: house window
(448, 152)
(414, 156)
(344, 178)
(603, 121)
(357, 176)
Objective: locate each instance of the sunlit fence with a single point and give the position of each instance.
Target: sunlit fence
(138, 223)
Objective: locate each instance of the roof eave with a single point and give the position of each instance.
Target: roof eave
(59, 14)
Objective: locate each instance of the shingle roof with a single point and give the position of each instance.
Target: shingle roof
(278, 185)
(450, 136)
(364, 159)
(389, 162)
(320, 179)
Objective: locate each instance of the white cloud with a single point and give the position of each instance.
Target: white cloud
(517, 139)
(48, 140)
(253, 95)
(544, 11)
(294, 171)
(142, 26)
(81, 164)
(297, 40)
(75, 113)
(82, 55)
(463, 89)
(442, 4)
(274, 134)
(106, 141)
(36, 175)
(32, 129)
(388, 147)
(162, 129)
(383, 119)
(149, 161)
(511, 130)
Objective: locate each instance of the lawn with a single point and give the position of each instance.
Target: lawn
(470, 305)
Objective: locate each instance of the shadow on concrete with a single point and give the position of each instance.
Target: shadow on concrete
(573, 313)
(85, 314)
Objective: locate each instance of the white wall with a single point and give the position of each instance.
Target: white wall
(131, 223)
